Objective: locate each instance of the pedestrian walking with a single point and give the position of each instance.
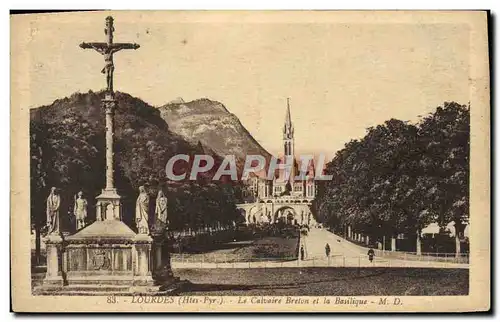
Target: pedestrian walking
(302, 252)
(371, 254)
(327, 250)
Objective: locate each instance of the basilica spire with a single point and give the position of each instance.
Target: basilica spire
(288, 118)
(288, 143)
(288, 127)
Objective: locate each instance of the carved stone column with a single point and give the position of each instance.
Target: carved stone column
(142, 272)
(54, 275)
(109, 202)
(109, 104)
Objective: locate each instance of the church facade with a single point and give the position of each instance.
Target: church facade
(286, 197)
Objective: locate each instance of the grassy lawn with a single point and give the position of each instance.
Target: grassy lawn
(326, 281)
(247, 250)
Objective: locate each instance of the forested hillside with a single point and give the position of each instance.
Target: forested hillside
(67, 148)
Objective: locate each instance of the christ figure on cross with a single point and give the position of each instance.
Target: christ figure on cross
(107, 49)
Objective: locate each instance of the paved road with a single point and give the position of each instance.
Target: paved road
(315, 241)
(343, 254)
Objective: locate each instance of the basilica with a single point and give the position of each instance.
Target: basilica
(287, 197)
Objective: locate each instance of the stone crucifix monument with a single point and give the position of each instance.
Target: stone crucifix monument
(106, 256)
(108, 203)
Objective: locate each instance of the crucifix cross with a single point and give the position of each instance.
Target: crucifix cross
(107, 49)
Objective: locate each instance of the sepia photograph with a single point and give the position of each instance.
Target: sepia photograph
(282, 161)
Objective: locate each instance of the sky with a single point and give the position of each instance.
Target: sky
(341, 73)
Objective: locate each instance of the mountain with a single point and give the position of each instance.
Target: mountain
(143, 142)
(210, 123)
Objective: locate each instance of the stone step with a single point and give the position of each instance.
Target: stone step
(89, 287)
(102, 280)
(109, 289)
(37, 276)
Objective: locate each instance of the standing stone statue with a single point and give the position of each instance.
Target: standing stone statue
(80, 210)
(141, 211)
(53, 205)
(161, 216)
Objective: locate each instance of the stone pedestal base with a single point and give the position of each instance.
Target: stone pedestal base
(53, 281)
(164, 275)
(107, 258)
(54, 275)
(108, 205)
(142, 270)
(162, 270)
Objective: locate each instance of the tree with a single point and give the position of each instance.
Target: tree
(446, 137)
(38, 175)
(400, 177)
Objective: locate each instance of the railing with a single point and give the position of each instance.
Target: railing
(413, 256)
(224, 258)
(334, 260)
(286, 198)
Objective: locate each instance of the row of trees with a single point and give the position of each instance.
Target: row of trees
(401, 177)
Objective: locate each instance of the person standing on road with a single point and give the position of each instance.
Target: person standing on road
(371, 254)
(302, 253)
(327, 250)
